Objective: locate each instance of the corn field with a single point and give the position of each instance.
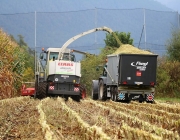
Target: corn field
(56, 119)
(11, 66)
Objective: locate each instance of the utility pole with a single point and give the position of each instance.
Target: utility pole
(35, 62)
(145, 27)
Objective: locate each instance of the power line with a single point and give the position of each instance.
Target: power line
(86, 10)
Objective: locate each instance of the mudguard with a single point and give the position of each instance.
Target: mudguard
(104, 79)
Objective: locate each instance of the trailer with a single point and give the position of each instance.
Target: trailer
(127, 77)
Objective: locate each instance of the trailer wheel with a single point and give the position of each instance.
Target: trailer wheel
(112, 93)
(76, 98)
(102, 91)
(94, 92)
(94, 96)
(115, 94)
(151, 102)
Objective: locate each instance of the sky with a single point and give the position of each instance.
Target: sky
(173, 4)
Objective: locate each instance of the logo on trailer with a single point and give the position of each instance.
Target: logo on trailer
(65, 64)
(140, 65)
(136, 97)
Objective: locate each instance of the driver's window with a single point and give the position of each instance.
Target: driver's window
(73, 57)
(65, 56)
(104, 72)
(53, 56)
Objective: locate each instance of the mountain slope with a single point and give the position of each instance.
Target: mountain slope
(11, 6)
(58, 20)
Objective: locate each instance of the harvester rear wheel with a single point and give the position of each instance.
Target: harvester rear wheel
(41, 90)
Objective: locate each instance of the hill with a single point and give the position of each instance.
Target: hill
(60, 20)
(11, 6)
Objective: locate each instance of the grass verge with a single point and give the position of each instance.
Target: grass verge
(167, 99)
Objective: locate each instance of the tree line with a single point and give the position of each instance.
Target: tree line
(17, 64)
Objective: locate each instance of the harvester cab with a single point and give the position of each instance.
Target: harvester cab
(61, 75)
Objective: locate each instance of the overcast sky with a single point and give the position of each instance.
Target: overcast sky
(173, 4)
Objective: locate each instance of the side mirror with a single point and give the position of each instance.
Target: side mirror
(41, 55)
(97, 68)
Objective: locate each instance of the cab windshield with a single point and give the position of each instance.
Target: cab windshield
(67, 56)
(53, 56)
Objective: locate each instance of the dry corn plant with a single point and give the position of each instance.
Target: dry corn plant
(173, 105)
(114, 127)
(19, 119)
(137, 123)
(152, 110)
(53, 118)
(8, 63)
(118, 125)
(67, 124)
(49, 135)
(168, 123)
(95, 116)
(166, 107)
(60, 123)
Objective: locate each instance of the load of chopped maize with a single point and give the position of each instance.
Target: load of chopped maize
(129, 49)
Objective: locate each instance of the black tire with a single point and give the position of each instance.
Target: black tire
(150, 102)
(76, 98)
(41, 90)
(102, 94)
(94, 96)
(115, 94)
(94, 92)
(112, 93)
(36, 87)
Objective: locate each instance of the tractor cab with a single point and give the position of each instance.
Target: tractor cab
(53, 54)
(58, 61)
